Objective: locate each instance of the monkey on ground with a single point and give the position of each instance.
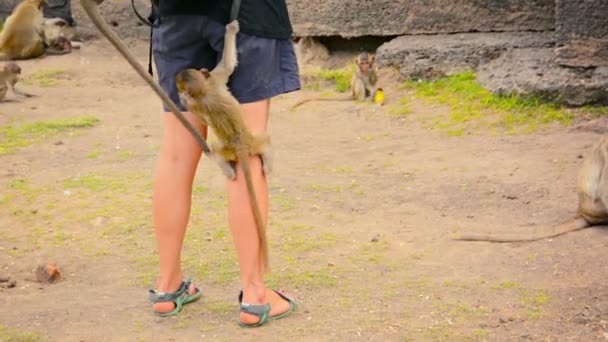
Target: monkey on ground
(592, 189)
(9, 76)
(362, 84)
(206, 95)
(59, 36)
(23, 34)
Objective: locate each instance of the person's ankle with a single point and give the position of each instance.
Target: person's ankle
(169, 284)
(254, 293)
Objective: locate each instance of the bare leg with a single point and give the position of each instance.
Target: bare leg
(179, 157)
(242, 224)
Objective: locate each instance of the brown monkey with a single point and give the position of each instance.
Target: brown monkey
(592, 189)
(23, 35)
(9, 76)
(206, 95)
(90, 7)
(362, 84)
(58, 36)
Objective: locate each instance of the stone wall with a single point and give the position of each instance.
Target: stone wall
(582, 33)
(399, 17)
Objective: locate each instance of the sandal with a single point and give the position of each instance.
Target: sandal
(262, 311)
(180, 297)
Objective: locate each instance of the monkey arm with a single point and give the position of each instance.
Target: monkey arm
(229, 56)
(21, 93)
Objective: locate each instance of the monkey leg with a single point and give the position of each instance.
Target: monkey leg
(225, 158)
(3, 91)
(36, 50)
(262, 147)
(358, 89)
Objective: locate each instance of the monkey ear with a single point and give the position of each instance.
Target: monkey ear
(205, 72)
(372, 59)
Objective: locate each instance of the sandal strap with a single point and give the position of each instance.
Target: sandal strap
(286, 297)
(157, 297)
(260, 311)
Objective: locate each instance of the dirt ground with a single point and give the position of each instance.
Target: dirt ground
(362, 207)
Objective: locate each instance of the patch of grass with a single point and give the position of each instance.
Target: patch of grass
(124, 155)
(596, 110)
(534, 302)
(372, 252)
(94, 154)
(295, 243)
(402, 109)
(13, 335)
(471, 104)
(220, 307)
(341, 77)
(322, 188)
(507, 285)
(303, 278)
(44, 78)
(12, 138)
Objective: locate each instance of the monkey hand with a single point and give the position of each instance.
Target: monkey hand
(233, 27)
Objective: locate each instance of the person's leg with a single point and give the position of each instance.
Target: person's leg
(177, 45)
(176, 167)
(266, 68)
(242, 225)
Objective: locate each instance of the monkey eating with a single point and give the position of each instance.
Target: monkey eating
(592, 189)
(206, 95)
(9, 76)
(362, 84)
(23, 35)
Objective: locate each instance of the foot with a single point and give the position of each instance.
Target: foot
(278, 306)
(164, 307)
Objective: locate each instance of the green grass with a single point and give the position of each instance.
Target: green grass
(44, 78)
(12, 335)
(341, 77)
(14, 137)
(470, 104)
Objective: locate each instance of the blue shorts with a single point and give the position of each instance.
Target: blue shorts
(266, 67)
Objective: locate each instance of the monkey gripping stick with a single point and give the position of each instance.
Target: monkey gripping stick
(90, 7)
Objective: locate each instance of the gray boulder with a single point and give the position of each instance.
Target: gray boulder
(430, 56)
(534, 72)
(399, 17)
(582, 33)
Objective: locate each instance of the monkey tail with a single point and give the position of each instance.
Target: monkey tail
(299, 103)
(243, 157)
(535, 235)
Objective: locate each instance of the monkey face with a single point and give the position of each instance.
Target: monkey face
(192, 81)
(13, 67)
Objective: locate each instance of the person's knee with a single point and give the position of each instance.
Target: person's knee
(255, 115)
(179, 146)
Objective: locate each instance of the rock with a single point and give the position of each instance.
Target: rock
(47, 273)
(429, 57)
(398, 17)
(582, 33)
(7, 283)
(534, 72)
